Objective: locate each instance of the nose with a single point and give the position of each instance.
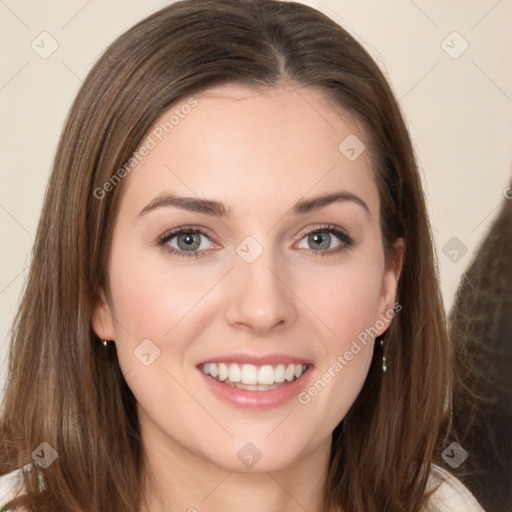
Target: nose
(262, 297)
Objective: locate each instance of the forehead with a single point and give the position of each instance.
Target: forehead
(242, 146)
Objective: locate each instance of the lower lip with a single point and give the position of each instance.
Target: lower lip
(246, 399)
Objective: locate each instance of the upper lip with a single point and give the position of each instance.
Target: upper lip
(257, 360)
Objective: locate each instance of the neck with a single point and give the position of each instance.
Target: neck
(179, 480)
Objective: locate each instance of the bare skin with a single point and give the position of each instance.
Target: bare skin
(259, 153)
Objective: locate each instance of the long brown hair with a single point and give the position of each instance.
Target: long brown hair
(62, 389)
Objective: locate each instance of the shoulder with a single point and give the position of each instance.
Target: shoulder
(451, 494)
(12, 485)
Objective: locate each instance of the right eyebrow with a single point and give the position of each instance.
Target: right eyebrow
(192, 204)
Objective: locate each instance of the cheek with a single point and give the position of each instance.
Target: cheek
(155, 308)
(346, 299)
(155, 316)
(152, 296)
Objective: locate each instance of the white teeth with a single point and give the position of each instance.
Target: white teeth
(234, 373)
(254, 378)
(266, 375)
(223, 372)
(249, 374)
(290, 372)
(279, 373)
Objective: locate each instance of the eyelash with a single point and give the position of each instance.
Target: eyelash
(345, 238)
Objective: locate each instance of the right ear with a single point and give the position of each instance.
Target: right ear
(102, 319)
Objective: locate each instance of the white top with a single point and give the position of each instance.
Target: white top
(452, 495)
(12, 484)
(9, 485)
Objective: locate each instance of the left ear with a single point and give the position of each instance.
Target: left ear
(387, 308)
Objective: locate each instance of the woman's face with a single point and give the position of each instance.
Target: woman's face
(277, 286)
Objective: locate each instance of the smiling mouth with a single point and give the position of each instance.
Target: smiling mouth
(254, 378)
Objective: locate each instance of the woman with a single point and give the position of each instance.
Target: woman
(233, 301)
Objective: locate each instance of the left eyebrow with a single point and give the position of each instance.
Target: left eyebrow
(309, 205)
(218, 209)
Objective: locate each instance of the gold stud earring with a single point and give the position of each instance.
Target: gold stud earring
(105, 343)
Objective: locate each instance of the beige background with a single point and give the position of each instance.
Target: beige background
(459, 109)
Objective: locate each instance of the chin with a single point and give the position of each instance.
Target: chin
(258, 456)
